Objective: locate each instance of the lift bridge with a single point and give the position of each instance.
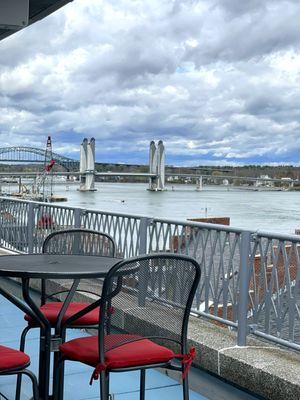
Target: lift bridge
(85, 168)
(86, 171)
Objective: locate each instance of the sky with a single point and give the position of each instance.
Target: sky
(217, 80)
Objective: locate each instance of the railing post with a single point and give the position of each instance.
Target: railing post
(143, 240)
(1, 223)
(143, 235)
(30, 227)
(77, 218)
(243, 298)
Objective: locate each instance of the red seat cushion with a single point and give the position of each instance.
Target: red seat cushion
(51, 311)
(140, 352)
(12, 359)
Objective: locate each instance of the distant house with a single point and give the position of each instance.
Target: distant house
(264, 180)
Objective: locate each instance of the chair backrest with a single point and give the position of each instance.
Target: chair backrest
(76, 242)
(149, 296)
(79, 242)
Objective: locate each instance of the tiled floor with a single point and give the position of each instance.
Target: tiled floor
(123, 385)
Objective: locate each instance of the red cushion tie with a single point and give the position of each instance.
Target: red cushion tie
(186, 361)
(98, 369)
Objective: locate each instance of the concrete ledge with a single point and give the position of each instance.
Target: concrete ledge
(275, 372)
(5, 252)
(262, 368)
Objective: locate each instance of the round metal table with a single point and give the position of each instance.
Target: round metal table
(45, 266)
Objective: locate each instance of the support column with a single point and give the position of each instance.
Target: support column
(90, 170)
(199, 186)
(152, 166)
(161, 165)
(87, 165)
(83, 163)
(157, 166)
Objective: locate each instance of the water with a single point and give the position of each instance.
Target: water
(272, 211)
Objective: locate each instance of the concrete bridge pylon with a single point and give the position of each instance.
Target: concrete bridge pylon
(87, 165)
(157, 166)
(199, 185)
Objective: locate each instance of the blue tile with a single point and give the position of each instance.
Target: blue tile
(124, 382)
(8, 390)
(9, 321)
(79, 384)
(166, 393)
(10, 335)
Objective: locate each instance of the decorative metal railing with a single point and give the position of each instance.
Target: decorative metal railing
(274, 288)
(217, 249)
(250, 280)
(25, 225)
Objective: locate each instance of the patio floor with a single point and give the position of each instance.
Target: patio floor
(123, 385)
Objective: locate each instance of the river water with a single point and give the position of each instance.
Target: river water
(276, 211)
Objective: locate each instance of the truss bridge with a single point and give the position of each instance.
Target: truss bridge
(29, 155)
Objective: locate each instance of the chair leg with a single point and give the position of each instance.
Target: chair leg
(104, 385)
(22, 348)
(34, 382)
(61, 381)
(107, 384)
(142, 384)
(59, 372)
(58, 380)
(185, 387)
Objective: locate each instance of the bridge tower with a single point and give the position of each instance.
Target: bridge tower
(87, 165)
(199, 183)
(161, 165)
(157, 166)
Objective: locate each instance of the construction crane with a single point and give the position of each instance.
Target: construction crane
(43, 186)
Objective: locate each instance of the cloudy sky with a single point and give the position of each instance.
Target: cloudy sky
(217, 80)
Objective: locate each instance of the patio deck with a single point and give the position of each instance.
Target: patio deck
(124, 386)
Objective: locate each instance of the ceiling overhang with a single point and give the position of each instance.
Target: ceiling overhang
(17, 14)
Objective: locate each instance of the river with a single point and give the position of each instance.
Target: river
(276, 211)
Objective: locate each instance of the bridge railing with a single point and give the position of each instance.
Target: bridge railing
(250, 280)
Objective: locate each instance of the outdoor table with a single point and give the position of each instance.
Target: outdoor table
(44, 266)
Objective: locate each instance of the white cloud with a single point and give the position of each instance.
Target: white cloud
(216, 79)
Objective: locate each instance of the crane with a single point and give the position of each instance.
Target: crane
(44, 181)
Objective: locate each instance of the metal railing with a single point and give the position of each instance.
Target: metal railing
(250, 280)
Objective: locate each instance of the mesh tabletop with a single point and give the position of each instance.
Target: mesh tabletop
(56, 266)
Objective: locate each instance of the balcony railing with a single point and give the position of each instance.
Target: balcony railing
(250, 280)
